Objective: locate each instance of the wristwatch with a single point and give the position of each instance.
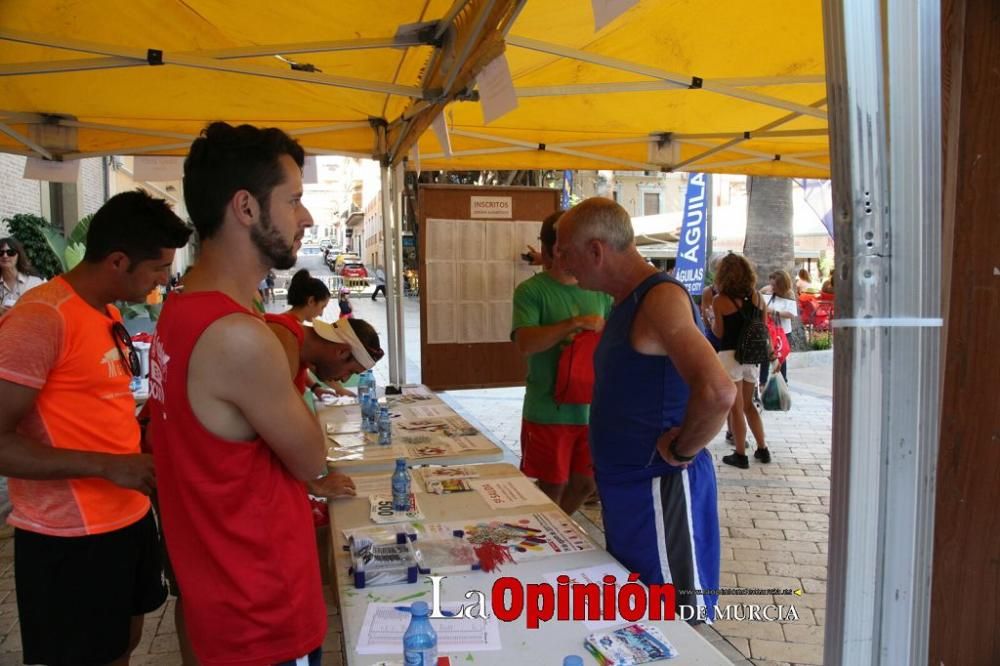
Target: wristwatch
(677, 456)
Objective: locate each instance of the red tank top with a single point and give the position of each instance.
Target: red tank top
(238, 526)
(295, 326)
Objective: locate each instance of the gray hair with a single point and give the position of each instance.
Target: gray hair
(602, 219)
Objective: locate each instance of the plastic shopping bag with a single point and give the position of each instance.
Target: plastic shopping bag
(776, 397)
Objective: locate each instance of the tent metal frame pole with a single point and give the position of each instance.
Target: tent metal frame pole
(397, 174)
(785, 157)
(20, 138)
(774, 134)
(116, 62)
(612, 87)
(746, 137)
(887, 331)
(393, 281)
(555, 148)
(139, 150)
(201, 62)
(583, 56)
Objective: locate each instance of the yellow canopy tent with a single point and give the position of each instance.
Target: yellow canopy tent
(728, 86)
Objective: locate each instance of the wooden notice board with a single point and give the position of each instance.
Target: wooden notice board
(470, 243)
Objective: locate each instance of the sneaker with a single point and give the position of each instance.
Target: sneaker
(763, 455)
(756, 399)
(736, 460)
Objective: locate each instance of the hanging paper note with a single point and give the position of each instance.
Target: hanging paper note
(496, 89)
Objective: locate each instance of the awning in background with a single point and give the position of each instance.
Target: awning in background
(728, 86)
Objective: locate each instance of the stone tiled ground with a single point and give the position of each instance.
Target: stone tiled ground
(774, 521)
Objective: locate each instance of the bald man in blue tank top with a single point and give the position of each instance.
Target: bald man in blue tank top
(660, 396)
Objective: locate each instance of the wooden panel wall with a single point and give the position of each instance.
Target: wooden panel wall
(461, 366)
(965, 598)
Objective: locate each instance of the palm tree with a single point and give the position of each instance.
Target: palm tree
(770, 241)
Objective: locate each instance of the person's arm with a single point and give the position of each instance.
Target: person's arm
(289, 344)
(242, 363)
(25, 458)
(666, 316)
(533, 339)
(718, 326)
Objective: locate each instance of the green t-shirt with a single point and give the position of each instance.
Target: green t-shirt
(541, 301)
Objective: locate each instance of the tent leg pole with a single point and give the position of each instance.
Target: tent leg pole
(885, 371)
(392, 258)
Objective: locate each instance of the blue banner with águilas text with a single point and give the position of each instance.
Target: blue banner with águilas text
(690, 268)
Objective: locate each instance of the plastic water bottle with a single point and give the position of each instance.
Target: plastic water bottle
(366, 412)
(420, 640)
(135, 384)
(572, 660)
(401, 486)
(384, 427)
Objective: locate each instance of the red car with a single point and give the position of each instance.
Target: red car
(353, 270)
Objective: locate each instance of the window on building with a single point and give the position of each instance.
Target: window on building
(651, 203)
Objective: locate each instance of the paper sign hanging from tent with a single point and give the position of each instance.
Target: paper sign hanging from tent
(440, 127)
(496, 89)
(35, 168)
(157, 168)
(606, 11)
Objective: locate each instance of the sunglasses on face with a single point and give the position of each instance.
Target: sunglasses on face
(8, 252)
(123, 341)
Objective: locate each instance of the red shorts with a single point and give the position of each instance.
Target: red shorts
(550, 453)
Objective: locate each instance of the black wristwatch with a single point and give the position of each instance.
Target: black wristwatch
(677, 456)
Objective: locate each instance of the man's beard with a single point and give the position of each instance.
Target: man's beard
(267, 238)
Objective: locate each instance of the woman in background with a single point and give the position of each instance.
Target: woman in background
(17, 275)
(735, 283)
(782, 306)
(308, 298)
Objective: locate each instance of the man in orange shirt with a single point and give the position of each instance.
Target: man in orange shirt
(87, 561)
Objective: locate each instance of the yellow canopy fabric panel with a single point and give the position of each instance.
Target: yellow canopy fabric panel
(668, 84)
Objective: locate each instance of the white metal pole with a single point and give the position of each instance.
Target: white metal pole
(397, 175)
(884, 110)
(388, 224)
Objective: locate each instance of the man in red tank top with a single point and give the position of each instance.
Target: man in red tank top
(232, 439)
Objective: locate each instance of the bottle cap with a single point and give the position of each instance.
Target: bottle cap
(572, 660)
(420, 608)
(400, 461)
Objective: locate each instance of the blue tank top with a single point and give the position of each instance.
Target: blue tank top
(636, 396)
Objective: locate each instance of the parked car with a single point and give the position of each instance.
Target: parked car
(353, 270)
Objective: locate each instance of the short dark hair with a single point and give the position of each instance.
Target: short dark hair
(547, 235)
(366, 333)
(137, 224)
(303, 287)
(227, 159)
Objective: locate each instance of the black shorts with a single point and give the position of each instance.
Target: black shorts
(76, 596)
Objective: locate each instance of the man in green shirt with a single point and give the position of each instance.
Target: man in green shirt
(549, 309)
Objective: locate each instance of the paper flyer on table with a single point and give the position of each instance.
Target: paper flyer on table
(384, 625)
(509, 493)
(382, 511)
(594, 574)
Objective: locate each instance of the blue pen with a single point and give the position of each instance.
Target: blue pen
(446, 613)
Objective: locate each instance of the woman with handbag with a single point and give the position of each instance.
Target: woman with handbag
(735, 306)
(782, 308)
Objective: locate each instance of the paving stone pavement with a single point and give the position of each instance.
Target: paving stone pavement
(774, 523)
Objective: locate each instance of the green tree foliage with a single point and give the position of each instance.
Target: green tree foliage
(38, 238)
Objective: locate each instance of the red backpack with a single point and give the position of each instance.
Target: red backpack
(575, 373)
